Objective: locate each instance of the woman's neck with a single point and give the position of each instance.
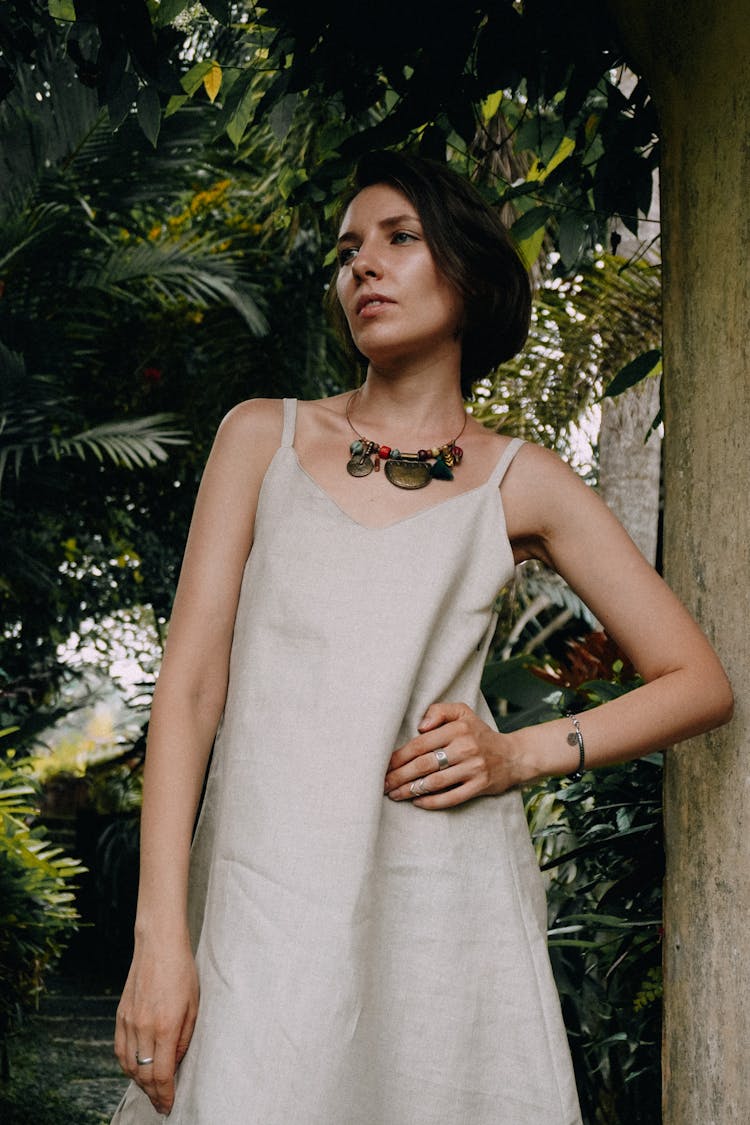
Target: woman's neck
(410, 403)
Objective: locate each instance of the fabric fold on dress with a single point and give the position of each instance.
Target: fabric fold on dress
(363, 961)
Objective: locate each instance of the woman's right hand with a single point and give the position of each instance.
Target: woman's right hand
(156, 1017)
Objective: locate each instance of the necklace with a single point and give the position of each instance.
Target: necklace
(404, 470)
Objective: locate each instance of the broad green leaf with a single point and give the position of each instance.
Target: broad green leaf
(194, 78)
(658, 420)
(219, 9)
(280, 117)
(528, 234)
(120, 102)
(648, 363)
(212, 81)
(491, 105)
(529, 223)
(62, 10)
(531, 248)
(571, 237)
(240, 118)
(149, 113)
(168, 11)
(175, 103)
(540, 170)
(289, 179)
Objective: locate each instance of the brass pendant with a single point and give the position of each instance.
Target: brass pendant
(360, 465)
(408, 474)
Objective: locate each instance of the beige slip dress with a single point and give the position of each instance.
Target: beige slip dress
(363, 961)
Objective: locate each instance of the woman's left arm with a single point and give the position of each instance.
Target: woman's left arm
(553, 516)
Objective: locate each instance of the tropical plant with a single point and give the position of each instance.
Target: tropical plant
(586, 329)
(436, 82)
(130, 280)
(600, 842)
(37, 912)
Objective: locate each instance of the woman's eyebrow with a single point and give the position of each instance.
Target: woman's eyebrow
(385, 224)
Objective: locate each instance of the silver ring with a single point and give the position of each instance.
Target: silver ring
(442, 759)
(418, 788)
(143, 1062)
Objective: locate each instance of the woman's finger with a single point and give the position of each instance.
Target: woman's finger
(449, 798)
(155, 1069)
(161, 1085)
(439, 713)
(427, 743)
(126, 1045)
(428, 782)
(433, 761)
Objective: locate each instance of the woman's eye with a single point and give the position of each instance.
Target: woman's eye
(401, 237)
(345, 254)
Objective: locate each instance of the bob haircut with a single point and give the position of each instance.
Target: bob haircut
(471, 247)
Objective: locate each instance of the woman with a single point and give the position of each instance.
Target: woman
(367, 915)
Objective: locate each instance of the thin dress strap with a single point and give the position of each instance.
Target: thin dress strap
(290, 421)
(506, 457)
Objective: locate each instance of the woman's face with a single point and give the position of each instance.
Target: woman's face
(396, 301)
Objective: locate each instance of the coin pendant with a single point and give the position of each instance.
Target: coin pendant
(360, 465)
(408, 474)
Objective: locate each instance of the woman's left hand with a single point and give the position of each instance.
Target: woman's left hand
(473, 760)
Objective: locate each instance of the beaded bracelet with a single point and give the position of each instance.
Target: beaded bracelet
(575, 738)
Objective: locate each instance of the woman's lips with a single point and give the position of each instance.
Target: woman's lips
(371, 304)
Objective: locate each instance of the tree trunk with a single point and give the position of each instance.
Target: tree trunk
(630, 466)
(696, 57)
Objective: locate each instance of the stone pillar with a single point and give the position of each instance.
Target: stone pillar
(695, 54)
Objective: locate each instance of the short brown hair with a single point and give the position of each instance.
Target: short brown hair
(471, 247)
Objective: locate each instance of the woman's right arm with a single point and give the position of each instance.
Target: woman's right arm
(157, 1012)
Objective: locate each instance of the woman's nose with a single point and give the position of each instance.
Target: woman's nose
(366, 263)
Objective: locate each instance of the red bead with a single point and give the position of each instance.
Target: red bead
(384, 451)
(458, 452)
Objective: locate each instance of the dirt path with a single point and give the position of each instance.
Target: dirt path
(63, 1060)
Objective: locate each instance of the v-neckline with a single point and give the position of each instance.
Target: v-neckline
(401, 519)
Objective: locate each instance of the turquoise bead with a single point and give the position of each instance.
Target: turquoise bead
(394, 454)
(356, 447)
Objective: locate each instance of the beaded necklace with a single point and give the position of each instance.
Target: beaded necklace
(404, 470)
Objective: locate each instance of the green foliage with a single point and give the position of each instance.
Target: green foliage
(600, 841)
(37, 913)
(646, 364)
(607, 862)
(135, 286)
(588, 332)
(550, 69)
(48, 1077)
(20, 1106)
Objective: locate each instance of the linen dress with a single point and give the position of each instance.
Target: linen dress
(363, 961)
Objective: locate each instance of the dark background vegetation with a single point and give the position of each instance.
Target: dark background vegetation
(167, 176)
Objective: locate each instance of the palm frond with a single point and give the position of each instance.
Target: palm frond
(34, 416)
(135, 444)
(584, 329)
(43, 121)
(193, 270)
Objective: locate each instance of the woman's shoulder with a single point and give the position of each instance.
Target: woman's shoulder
(541, 493)
(534, 463)
(247, 439)
(253, 416)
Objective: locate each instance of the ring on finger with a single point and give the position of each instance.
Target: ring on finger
(418, 788)
(143, 1062)
(442, 759)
